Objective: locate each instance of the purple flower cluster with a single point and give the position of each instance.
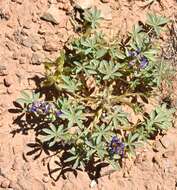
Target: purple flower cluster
(44, 108)
(116, 146)
(137, 55)
(41, 107)
(143, 62)
(134, 53)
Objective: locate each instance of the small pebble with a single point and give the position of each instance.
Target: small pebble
(105, 1)
(5, 183)
(8, 81)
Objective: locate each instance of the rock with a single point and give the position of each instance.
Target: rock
(26, 54)
(9, 36)
(15, 55)
(11, 46)
(27, 42)
(36, 47)
(5, 183)
(157, 160)
(50, 46)
(31, 41)
(148, 185)
(37, 58)
(105, 1)
(45, 179)
(106, 12)
(8, 81)
(18, 1)
(4, 14)
(11, 90)
(168, 154)
(54, 15)
(27, 24)
(51, 43)
(45, 28)
(84, 4)
(67, 7)
(3, 70)
(18, 37)
(22, 60)
(52, 1)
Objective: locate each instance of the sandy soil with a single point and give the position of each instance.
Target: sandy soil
(25, 42)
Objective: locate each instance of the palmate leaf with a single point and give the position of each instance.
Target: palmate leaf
(156, 22)
(53, 134)
(115, 164)
(161, 118)
(116, 53)
(73, 114)
(69, 84)
(93, 17)
(163, 72)
(89, 45)
(143, 134)
(131, 142)
(75, 158)
(27, 98)
(99, 149)
(102, 132)
(139, 39)
(89, 67)
(92, 67)
(109, 70)
(151, 54)
(100, 53)
(118, 118)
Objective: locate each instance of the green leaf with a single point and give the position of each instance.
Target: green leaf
(156, 22)
(109, 70)
(70, 159)
(73, 113)
(69, 84)
(47, 138)
(100, 53)
(115, 165)
(47, 131)
(25, 94)
(76, 164)
(21, 101)
(92, 17)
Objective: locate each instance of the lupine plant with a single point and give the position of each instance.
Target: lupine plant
(95, 80)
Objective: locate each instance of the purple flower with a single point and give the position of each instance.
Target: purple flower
(116, 146)
(59, 113)
(40, 107)
(46, 107)
(130, 54)
(134, 53)
(34, 107)
(143, 62)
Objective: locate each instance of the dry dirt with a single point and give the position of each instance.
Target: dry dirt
(25, 42)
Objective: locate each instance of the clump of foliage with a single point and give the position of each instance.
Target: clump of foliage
(94, 80)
